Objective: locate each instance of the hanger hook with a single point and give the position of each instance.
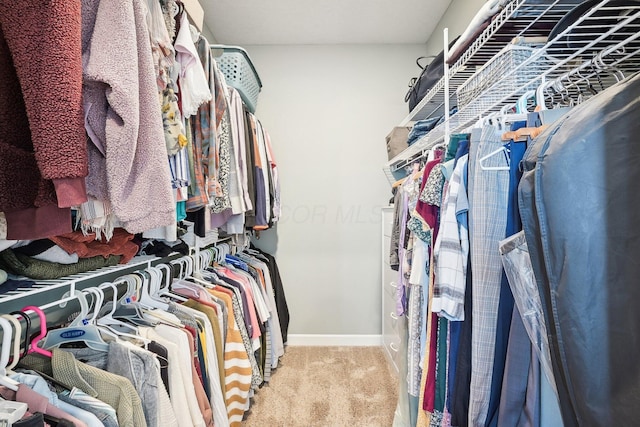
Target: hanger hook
(33, 346)
(27, 320)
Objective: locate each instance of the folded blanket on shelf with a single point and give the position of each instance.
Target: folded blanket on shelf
(23, 265)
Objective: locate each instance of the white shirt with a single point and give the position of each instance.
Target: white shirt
(183, 395)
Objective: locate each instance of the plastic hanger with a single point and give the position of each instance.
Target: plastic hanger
(17, 334)
(150, 279)
(191, 278)
(7, 333)
(107, 323)
(483, 159)
(153, 310)
(27, 320)
(540, 102)
(523, 101)
(128, 307)
(165, 289)
(81, 329)
(490, 118)
(206, 257)
(187, 287)
(130, 294)
(186, 266)
(506, 118)
(107, 320)
(33, 347)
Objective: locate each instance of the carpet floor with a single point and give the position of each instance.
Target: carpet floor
(327, 387)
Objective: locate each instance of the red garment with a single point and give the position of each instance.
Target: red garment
(42, 138)
(196, 362)
(87, 246)
(430, 386)
(429, 212)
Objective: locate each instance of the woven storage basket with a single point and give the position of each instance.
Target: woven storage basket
(235, 64)
(499, 70)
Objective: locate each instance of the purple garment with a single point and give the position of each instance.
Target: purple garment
(261, 199)
(220, 219)
(401, 291)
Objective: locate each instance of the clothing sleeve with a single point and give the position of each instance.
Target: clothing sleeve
(43, 41)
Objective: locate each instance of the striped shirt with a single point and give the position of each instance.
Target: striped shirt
(237, 367)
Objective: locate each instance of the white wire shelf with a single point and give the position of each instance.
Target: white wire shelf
(590, 55)
(70, 282)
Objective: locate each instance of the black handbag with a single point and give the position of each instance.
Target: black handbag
(419, 86)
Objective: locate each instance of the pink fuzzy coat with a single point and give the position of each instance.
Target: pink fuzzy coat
(128, 163)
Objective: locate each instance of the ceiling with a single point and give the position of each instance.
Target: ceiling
(249, 22)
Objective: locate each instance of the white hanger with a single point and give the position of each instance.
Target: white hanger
(107, 320)
(17, 329)
(106, 323)
(181, 266)
(146, 300)
(505, 118)
(80, 329)
(502, 149)
(540, 102)
(488, 119)
(130, 294)
(130, 300)
(165, 290)
(7, 332)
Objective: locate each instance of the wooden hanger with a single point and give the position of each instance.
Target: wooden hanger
(523, 134)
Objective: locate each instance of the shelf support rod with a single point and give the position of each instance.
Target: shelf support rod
(446, 85)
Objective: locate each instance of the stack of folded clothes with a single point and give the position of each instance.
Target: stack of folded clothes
(422, 127)
(67, 254)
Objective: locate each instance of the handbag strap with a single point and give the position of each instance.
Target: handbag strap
(421, 58)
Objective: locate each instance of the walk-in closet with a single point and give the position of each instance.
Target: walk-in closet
(319, 214)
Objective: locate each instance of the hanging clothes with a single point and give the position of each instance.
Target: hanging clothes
(127, 112)
(593, 380)
(44, 159)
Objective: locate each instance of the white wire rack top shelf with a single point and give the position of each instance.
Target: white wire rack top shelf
(70, 282)
(591, 53)
(432, 105)
(533, 17)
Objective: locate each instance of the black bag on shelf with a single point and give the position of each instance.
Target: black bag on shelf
(419, 86)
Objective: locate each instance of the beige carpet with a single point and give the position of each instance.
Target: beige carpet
(327, 387)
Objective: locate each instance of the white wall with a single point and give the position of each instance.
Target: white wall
(328, 109)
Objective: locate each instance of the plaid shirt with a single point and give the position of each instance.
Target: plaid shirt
(452, 249)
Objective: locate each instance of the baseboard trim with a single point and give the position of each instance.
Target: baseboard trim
(334, 340)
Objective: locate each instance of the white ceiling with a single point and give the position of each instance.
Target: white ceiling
(246, 22)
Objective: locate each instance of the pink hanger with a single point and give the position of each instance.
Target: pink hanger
(33, 347)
